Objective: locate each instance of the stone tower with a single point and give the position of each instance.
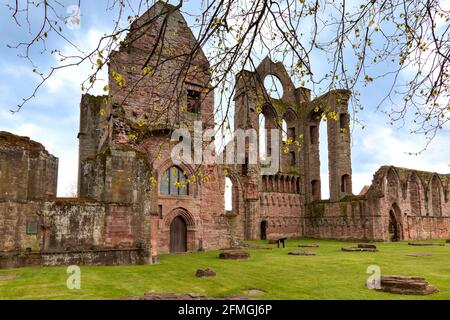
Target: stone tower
(333, 107)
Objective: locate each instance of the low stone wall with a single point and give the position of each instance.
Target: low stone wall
(72, 224)
(109, 257)
(348, 219)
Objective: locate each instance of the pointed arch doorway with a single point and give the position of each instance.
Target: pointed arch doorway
(178, 235)
(395, 228)
(263, 227)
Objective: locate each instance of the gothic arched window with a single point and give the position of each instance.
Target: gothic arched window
(173, 182)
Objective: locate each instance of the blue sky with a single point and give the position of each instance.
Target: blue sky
(52, 117)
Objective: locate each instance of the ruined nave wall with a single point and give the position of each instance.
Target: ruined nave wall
(352, 218)
(416, 201)
(401, 204)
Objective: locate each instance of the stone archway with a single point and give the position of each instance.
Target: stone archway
(263, 228)
(179, 232)
(178, 235)
(394, 226)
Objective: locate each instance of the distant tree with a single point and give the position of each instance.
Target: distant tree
(397, 36)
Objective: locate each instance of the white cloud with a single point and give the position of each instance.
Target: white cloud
(361, 179)
(72, 77)
(69, 80)
(380, 145)
(394, 148)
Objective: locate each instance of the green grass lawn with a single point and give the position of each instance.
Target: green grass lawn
(332, 274)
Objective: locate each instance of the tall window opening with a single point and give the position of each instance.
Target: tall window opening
(284, 131)
(228, 194)
(324, 163)
(263, 152)
(174, 182)
(193, 101)
(345, 183)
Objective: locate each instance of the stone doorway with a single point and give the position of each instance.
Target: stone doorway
(178, 235)
(394, 230)
(264, 230)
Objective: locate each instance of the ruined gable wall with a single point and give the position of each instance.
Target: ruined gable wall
(159, 93)
(157, 105)
(301, 115)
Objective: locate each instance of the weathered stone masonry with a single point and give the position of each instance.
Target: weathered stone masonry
(135, 203)
(38, 228)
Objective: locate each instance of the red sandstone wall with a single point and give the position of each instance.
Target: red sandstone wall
(282, 211)
(203, 209)
(27, 170)
(13, 221)
(346, 220)
(70, 224)
(414, 210)
(159, 95)
(407, 193)
(118, 175)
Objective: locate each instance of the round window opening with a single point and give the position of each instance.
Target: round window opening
(273, 87)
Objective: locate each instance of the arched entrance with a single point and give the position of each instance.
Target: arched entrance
(264, 230)
(394, 229)
(178, 235)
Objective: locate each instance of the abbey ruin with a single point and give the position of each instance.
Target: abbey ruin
(135, 203)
